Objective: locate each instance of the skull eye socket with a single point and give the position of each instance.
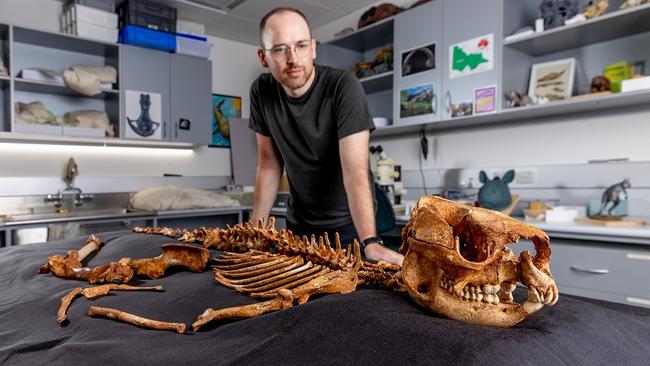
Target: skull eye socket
(472, 251)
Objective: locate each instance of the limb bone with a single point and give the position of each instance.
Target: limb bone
(92, 292)
(96, 311)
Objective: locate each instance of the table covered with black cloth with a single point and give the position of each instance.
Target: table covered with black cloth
(368, 326)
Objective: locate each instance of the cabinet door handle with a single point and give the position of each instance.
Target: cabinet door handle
(435, 104)
(590, 270)
(176, 129)
(164, 130)
(448, 102)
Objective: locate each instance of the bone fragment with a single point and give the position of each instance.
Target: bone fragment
(74, 258)
(96, 311)
(189, 256)
(92, 292)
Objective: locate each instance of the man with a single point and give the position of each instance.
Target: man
(312, 121)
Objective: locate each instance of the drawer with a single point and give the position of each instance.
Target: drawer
(620, 270)
(613, 268)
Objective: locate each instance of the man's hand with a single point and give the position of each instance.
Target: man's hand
(377, 252)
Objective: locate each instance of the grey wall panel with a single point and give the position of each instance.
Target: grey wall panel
(414, 29)
(191, 99)
(461, 24)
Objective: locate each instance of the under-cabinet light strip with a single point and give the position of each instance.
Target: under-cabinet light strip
(71, 149)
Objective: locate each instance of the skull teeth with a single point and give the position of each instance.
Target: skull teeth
(489, 294)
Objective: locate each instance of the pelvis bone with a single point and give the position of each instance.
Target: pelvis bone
(457, 264)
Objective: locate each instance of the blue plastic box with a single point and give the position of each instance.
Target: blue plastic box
(149, 38)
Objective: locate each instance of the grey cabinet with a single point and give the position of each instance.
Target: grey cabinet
(465, 20)
(607, 271)
(179, 86)
(418, 42)
(144, 72)
(191, 103)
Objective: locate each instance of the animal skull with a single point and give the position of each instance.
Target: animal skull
(457, 263)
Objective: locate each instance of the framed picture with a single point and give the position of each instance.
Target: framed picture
(143, 115)
(419, 59)
(224, 107)
(462, 109)
(485, 99)
(552, 80)
(472, 56)
(416, 101)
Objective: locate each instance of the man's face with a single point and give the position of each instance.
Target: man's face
(288, 50)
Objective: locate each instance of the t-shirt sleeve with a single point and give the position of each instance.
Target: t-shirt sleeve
(351, 107)
(256, 121)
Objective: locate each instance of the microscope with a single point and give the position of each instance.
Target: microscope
(388, 175)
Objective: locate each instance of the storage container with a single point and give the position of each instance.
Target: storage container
(92, 16)
(148, 14)
(192, 45)
(93, 31)
(149, 38)
(187, 27)
(105, 5)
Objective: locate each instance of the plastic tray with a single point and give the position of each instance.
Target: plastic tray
(148, 38)
(192, 45)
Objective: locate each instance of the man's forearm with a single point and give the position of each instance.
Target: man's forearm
(359, 193)
(267, 182)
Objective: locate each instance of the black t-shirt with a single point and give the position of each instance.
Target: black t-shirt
(306, 131)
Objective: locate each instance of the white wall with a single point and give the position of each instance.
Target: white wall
(234, 67)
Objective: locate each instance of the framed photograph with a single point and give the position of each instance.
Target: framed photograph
(419, 59)
(143, 115)
(553, 80)
(224, 107)
(462, 109)
(485, 99)
(416, 101)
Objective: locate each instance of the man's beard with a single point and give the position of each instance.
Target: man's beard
(295, 83)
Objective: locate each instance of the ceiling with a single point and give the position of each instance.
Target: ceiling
(238, 20)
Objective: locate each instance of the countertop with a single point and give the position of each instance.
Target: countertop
(584, 231)
(51, 218)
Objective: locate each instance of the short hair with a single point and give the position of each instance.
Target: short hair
(278, 10)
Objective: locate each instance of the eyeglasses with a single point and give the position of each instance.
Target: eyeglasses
(281, 52)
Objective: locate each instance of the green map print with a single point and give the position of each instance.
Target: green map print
(463, 60)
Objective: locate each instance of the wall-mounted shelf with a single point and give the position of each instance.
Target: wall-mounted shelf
(373, 36)
(617, 24)
(527, 113)
(61, 41)
(377, 83)
(13, 137)
(36, 86)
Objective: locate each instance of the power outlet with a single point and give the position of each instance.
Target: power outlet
(525, 177)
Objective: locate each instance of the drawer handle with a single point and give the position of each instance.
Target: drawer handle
(590, 270)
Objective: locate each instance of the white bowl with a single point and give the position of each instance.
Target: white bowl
(380, 121)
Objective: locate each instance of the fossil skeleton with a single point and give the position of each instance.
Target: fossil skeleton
(471, 283)
(456, 264)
